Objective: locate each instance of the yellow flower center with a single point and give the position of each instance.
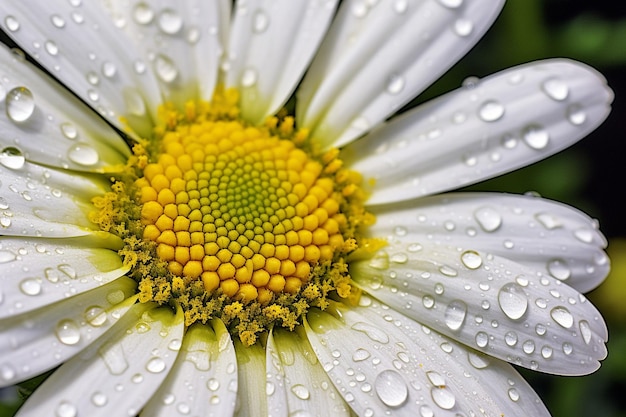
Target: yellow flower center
(245, 223)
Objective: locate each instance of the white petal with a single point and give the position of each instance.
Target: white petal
(37, 201)
(38, 272)
(252, 391)
(380, 55)
(38, 341)
(117, 374)
(540, 234)
(81, 45)
(271, 45)
(384, 364)
(207, 363)
(276, 383)
(492, 304)
(309, 390)
(506, 121)
(47, 125)
(185, 40)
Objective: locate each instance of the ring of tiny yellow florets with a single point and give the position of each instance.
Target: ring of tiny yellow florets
(233, 221)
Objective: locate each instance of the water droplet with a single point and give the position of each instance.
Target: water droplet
(548, 221)
(260, 22)
(455, 314)
(568, 348)
(536, 137)
(66, 409)
(248, 78)
(301, 391)
(576, 115)
(559, 269)
(360, 355)
(6, 256)
(463, 27)
(7, 373)
(443, 397)
(11, 23)
(562, 316)
(391, 388)
(170, 22)
(12, 158)
(99, 399)
(540, 329)
(528, 347)
(165, 68)
(584, 235)
(193, 35)
(92, 78)
(51, 48)
(69, 130)
(555, 88)
(490, 111)
(395, 84)
(143, 14)
(482, 339)
(585, 331)
(546, 352)
(448, 271)
(83, 154)
(513, 394)
(155, 365)
(31, 286)
(452, 4)
(20, 104)
(108, 69)
(57, 21)
(488, 219)
(68, 332)
(373, 332)
(471, 259)
(95, 316)
(399, 258)
(513, 301)
(510, 338)
(428, 301)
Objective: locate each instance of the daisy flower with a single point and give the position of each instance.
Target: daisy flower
(213, 212)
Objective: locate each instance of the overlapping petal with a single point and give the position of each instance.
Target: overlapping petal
(203, 380)
(271, 46)
(549, 237)
(43, 339)
(251, 379)
(359, 78)
(90, 53)
(43, 123)
(504, 122)
(492, 304)
(39, 272)
(117, 374)
(381, 362)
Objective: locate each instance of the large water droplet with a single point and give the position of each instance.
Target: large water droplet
(51, 48)
(536, 137)
(488, 219)
(31, 286)
(471, 259)
(559, 269)
(491, 111)
(68, 332)
(12, 23)
(83, 154)
(443, 397)
(562, 316)
(95, 316)
(455, 314)
(301, 391)
(12, 158)
(20, 104)
(391, 388)
(170, 22)
(143, 14)
(513, 301)
(156, 365)
(165, 68)
(555, 88)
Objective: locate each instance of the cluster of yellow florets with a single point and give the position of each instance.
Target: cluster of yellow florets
(235, 215)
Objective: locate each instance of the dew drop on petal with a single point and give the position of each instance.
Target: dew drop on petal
(249, 77)
(482, 339)
(455, 314)
(95, 316)
(12, 158)
(165, 68)
(391, 388)
(260, 22)
(69, 130)
(471, 259)
(559, 269)
(57, 21)
(576, 115)
(170, 22)
(301, 391)
(510, 338)
(555, 88)
(373, 332)
(51, 48)
(585, 331)
(452, 4)
(513, 394)
(536, 137)
(83, 154)
(513, 301)
(109, 69)
(143, 14)
(562, 316)
(20, 104)
(395, 84)
(463, 27)
(443, 397)
(488, 219)
(155, 365)
(67, 332)
(66, 409)
(12, 23)
(99, 399)
(360, 355)
(30, 286)
(490, 111)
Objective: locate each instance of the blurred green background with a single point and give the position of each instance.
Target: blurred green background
(588, 176)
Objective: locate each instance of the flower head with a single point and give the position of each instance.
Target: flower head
(216, 214)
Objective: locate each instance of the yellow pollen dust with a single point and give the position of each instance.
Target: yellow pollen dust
(240, 209)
